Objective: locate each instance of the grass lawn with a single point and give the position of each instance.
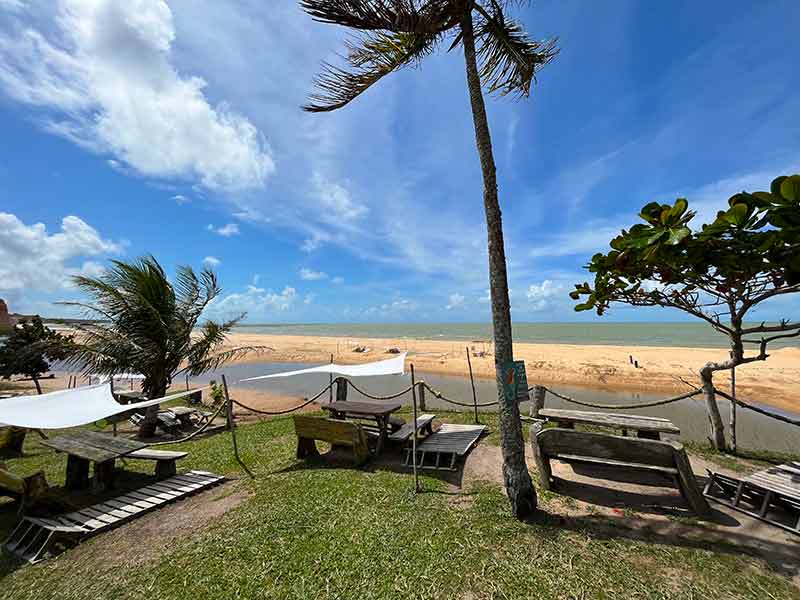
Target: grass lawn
(316, 531)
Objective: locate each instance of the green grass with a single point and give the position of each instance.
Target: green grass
(314, 531)
(744, 460)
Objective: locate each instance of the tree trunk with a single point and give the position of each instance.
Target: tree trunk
(37, 384)
(519, 486)
(717, 428)
(147, 428)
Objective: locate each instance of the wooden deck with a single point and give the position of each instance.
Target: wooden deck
(445, 446)
(33, 539)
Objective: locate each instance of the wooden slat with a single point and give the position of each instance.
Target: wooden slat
(613, 420)
(599, 445)
(137, 501)
(407, 430)
(148, 497)
(452, 438)
(77, 448)
(363, 408)
(126, 506)
(146, 454)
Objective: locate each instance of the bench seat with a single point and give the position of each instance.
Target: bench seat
(334, 431)
(164, 459)
(665, 457)
(424, 423)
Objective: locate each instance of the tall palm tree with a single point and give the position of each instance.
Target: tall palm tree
(393, 34)
(145, 324)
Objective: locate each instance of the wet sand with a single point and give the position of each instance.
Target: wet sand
(774, 382)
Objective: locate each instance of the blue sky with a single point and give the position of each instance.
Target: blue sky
(175, 129)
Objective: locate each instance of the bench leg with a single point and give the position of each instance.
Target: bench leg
(77, 473)
(648, 435)
(104, 475)
(688, 485)
(306, 447)
(165, 468)
(542, 462)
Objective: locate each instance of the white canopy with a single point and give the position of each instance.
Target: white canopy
(101, 378)
(392, 366)
(68, 408)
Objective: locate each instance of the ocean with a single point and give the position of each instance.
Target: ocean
(692, 335)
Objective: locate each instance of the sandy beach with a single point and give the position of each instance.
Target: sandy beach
(775, 382)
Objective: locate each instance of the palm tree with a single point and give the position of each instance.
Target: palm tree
(145, 324)
(399, 33)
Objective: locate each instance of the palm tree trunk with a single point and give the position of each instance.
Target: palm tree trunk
(147, 428)
(37, 384)
(519, 486)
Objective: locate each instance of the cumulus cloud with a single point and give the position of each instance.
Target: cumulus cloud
(103, 74)
(310, 275)
(542, 295)
(33, 259)
(228, 230)
(211, 261)
(255, 300)
(455, 301)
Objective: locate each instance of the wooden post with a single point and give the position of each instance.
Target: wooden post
(341, 389)
(187, 382)
(538, 400)
(421, 393)
(472, 381)
(733, 410)
(330, 379)
(231, 425)
(414, 432)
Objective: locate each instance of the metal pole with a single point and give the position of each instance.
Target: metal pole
(330, 390)
(733, 410)
(414, 433)
(231, 426)
(472, 381)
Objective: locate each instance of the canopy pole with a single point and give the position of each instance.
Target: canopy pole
(414, 433)
(330, 381)
(733, 410)
(472, 381)
(232, 426)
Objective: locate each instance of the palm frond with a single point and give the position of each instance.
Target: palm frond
(399, 16)
(370, 58)
(508, 58)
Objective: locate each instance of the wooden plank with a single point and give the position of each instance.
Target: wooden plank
(146, 454)
(65, 443)
(111, 510)
(616, 421)
(99, 515)
(599, 445)
(407, 430)
(155, 500)
(363, 408)
(126, 506)
(118, 445)
(164, 490)
(572, 458)
(452, 438)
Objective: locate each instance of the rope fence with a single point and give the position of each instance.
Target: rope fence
(285, 411)
(441, 396)
(621, 406)
(766, 413)
(194, 433)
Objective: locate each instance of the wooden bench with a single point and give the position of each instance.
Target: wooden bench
(424, 425)
(334, 431)
(668, 458)
(164, 459)
(25, 489)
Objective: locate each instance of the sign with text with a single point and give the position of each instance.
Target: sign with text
(515, 381)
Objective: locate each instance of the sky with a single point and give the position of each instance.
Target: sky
(175, 129)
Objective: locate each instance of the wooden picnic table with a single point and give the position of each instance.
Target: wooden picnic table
(83, 447)
(645, 427)
(376, 411)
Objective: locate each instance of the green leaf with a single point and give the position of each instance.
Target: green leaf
(676, 236)
(681, 204)
(775, 186)
(790, 188)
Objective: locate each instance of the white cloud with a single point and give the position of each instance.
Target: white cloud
(228, 230)
(255, 300)
(338, 280)
(309, 299)
(33, 259)
(309, 275)
(211, 261)
(181, 199)
(335, 200)
(455, 301)
(542, 295)
(103, 74)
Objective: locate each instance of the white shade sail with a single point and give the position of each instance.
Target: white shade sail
(69, 408)
(392, 366)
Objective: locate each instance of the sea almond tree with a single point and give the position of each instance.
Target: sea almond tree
(500, 57)
(748, 255)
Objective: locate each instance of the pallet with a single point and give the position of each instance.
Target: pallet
(34, 539)
(760, 494)
(448, 444)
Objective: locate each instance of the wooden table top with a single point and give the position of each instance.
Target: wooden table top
(614, 420)
(371, 409)
(97, 447)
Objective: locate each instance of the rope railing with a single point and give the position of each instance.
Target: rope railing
(441, 396)
(374, 397)
(285, 411)
(621, 406)
(757, 409)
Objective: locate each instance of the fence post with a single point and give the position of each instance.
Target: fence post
(330, 380)
(414, 431)
(231, 426)
(341, 389)
(538, 400)
(472, 381)
(421, 392)
(733, 410)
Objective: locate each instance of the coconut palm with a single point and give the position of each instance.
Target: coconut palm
(499, 56)
(145, 324)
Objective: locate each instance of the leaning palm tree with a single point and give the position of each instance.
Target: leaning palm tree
(499, 56)
(145, 324)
